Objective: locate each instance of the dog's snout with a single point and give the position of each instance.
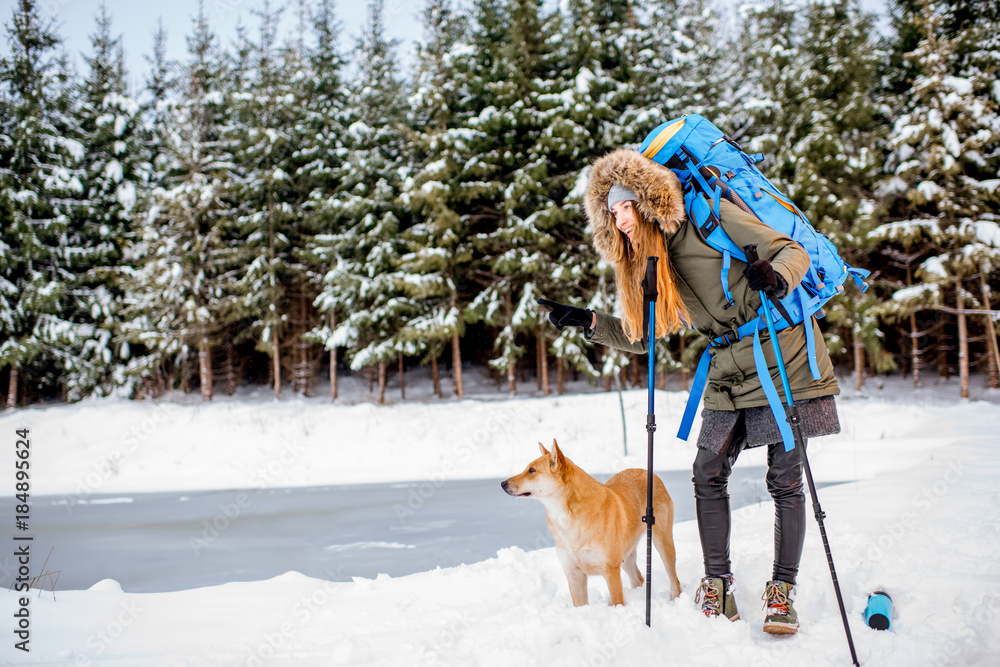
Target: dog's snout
(504, 484)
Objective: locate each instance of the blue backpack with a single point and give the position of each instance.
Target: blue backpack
(711, 167)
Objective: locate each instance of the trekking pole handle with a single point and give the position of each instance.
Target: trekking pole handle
(751, 250)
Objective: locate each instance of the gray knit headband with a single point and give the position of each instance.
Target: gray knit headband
(619, 193)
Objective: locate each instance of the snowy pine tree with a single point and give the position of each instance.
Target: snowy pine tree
(581, 103)
(439, 248)
(686, 65)
(362, 244)
(275, 292)
(513, 247)
(770, 86)
(181, 299)
(114, 169)
(40, 188)
(319, 138)
(941, 188)
(828, 153)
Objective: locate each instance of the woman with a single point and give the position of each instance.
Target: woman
(636, 209)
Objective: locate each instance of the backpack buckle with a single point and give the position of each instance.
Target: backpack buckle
(728, 338)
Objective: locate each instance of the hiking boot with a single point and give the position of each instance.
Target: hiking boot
(716, 597)
(781, 617)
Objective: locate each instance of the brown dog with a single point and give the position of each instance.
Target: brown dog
(597, 526)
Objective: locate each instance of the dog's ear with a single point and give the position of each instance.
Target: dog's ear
(556, 457)
(545, 452)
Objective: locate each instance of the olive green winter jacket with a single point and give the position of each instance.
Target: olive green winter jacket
(732, 377)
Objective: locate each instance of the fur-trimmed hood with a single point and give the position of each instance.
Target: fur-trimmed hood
(660, 197)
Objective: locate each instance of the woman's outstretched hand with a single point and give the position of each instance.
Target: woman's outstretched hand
(563, 316)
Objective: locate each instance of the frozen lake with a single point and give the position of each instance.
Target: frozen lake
(173, 541)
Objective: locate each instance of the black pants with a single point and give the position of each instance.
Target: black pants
(784, 483)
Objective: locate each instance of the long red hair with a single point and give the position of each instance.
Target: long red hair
(671, 313)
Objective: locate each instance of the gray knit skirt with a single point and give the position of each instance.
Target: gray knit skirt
(818, 417)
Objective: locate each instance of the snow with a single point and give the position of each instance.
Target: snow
(985, 231)
(580, 186)
(934, 267)
(432, 186)
(113, 170)
(917, 517)
(358, 130)
(915, 292)
(903, 228)
(435, 168)
(75, 149)
(930, 190)
(957, 84)
(951, 140)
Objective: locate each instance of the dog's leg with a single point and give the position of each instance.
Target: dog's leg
(663, 540)
(665, 545)
(635, 578)
(577, 579)
(613, 575)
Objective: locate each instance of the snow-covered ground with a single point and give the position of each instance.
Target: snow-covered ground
(919, 518)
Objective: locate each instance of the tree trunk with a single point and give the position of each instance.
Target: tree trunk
(859, 360)
(940, 335)
(186, 372)
(914, 348)
(402, 379)
(963, 340)
(12, 387)
(333, 361)
(436, 377)
(456, 365)
(296, 355)
(277, 365)
(305, 367)
(560, 376)
(511, 363)
(231, 369)
(538, 361)
(991, 337)
(382, 372)
(277, 337)
(205, 366)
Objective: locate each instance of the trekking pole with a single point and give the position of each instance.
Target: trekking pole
(649, 296)
(792, 415)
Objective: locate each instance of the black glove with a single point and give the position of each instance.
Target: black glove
(761, 275)
(564, 316)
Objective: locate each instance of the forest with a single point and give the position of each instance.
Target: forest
(284, 209)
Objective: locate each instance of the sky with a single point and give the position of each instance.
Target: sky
(136, 21)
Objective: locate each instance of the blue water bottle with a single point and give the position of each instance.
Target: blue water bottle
(878, 613)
